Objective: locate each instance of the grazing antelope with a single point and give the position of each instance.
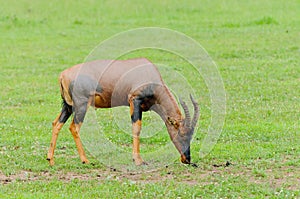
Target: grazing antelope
(135, 83)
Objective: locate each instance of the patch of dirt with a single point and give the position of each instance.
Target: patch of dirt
(287, 177)
(284, 177)
(21, 176)
(102, 175)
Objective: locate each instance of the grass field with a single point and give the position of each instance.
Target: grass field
(256, 46)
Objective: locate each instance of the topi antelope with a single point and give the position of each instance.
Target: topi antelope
(135, 83)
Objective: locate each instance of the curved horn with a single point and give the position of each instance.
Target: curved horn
(196, 112)
(186, 113)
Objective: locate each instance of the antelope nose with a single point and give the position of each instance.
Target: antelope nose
(186, 157)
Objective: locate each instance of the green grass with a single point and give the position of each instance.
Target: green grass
(256, 46)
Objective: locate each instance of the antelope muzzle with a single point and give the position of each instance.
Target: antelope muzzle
(186, 157)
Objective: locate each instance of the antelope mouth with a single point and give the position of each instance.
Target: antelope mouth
(185, 159)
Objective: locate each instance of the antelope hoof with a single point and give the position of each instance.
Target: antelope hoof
(86, 161)
(51, 161)
(139, 162)
(142, 163)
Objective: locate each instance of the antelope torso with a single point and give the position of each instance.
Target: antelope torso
(111, 83)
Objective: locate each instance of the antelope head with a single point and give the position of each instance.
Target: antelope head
(184, 131)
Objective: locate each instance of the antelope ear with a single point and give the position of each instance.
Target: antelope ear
(173, 122)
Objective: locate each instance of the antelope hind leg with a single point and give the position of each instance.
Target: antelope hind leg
(57, 124)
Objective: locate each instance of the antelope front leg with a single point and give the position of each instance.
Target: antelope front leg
(136, 119)
(136, 129)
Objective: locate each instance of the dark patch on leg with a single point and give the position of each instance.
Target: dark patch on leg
(79, 113)
(82, 89)
(146, 96)
(66, 112)
(137, 112)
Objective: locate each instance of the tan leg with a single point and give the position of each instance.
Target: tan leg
(56, 126)
(75, 128)
(136, 116)
(136, 129)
